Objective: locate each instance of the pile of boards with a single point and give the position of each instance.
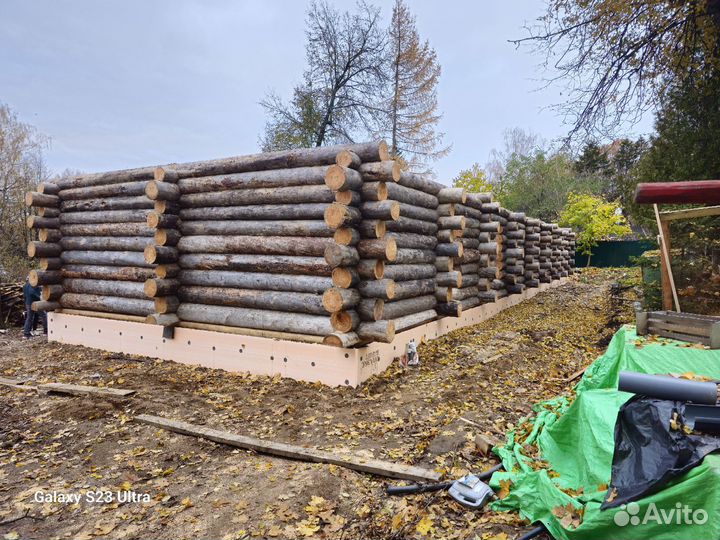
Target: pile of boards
(12, 304)
(333, 245)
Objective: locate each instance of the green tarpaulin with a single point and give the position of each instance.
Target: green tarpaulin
(562, 455)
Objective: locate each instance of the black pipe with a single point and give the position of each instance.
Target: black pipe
(533, 533)
(425, 488)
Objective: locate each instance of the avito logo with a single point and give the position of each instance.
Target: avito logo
(629, 514)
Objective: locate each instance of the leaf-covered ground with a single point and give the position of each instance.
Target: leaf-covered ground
(476, 381)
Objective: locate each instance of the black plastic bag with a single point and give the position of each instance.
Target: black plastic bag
(651, 448)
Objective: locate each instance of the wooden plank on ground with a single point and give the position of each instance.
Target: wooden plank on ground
(82, 390)
(17, 384)
(357, 463)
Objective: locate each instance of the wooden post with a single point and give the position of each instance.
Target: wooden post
(667, 282)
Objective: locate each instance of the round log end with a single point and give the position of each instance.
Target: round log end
(162, 174)
(382, 191)
(459, 281)
(335, 177)
(343, 197)
(461, 250)
(341, 339)
(31, 250)
(151, 190)
(378, 309)
(344, 236)
(153, 220)
(383, 151)
(341, 321)
(379, 269)
(34, 278)
(390, 249)
(395, 211)
(332, 300)
(380, 229)
(29, 198)
(390, 289)
(150, 254)
(150, 288)
(396, 171)
(159, 174)
(335, 215)
(346, 158)
(342, 277)
(30, 222)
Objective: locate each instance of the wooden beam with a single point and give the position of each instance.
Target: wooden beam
(690, 213)
(669, 292)
(82, 390)
(698, 192)
(371, 466)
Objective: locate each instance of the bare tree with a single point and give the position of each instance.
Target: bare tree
(338, 96)
(413, 73)
(516, 142)
(616, 57)
(21, 168)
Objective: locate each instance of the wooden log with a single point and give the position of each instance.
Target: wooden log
(415, 256)
(405, 272)
(340, 178)
(107, 203)
(514, 253)
(372, 228)
(374, 191)
(267, 245)
(449, 309)
(410, 289)
(338, 215)
(37, 222)
(114, 216)
(166, 207)
(414, 319)
(120, 273)
(51, 263)
(449, 279)
(112, 304)
(383, 171)
(43, 249)
(490, 227)
(51, 292)
(348, 158)
(346, 236)
(45, 306)
(161, 254)
(163, 319)
(344, 277)
(371, 269)
(400, 308)
(105, 243)
(128, 189)
(349, 198)
(383, 249)
(387, 210)
(443, 294)
(162, 191)
(476, 199)
(336, 299)
(167, 237)
(161, 287)
(33, 198)
(124, 289)
(166, 304)
(469, 243)
(413, 241)
(105, 258)
(339, 255)
(271, 264)
(450, 250)
(419, 182)
(452, 195)
(297, 176)
(265, 319)
(447, 209)
(246, 197)
(295, 302)
(453, 223)
(416, 226)
(52, 236)
(107, 229)
(342, 339)
(167, 271)
(263, 212)
(444, 264)
(399, 193)
(162, 221)
(470, 303)
(489, 248)
(370, 309)
(382, 331)
(469, 268)
(464, 293)
(44, 211)
(48, 188)
(344, 321)
(381, 288)
(418, 212)
(255, 280)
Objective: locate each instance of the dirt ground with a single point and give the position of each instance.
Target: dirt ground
(489, 375)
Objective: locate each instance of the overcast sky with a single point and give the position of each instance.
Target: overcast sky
(127, 83)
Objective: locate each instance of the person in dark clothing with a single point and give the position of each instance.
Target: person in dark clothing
(32, 294)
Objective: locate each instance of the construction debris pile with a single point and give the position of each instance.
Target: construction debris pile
(12, 304)
(332, 244)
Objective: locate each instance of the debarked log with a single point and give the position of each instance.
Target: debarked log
(266, 245)
(295, 302)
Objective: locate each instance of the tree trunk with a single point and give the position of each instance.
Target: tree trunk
(465, 293)
(160, 319)
(453, 223)
(52, 236)
(348, 158)
(349, 198)
(449, 279)
(401, 308)
(167, 237)
(44, 211)
(256, 318)
(265, 245)
(111, 304)
(51, 293)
